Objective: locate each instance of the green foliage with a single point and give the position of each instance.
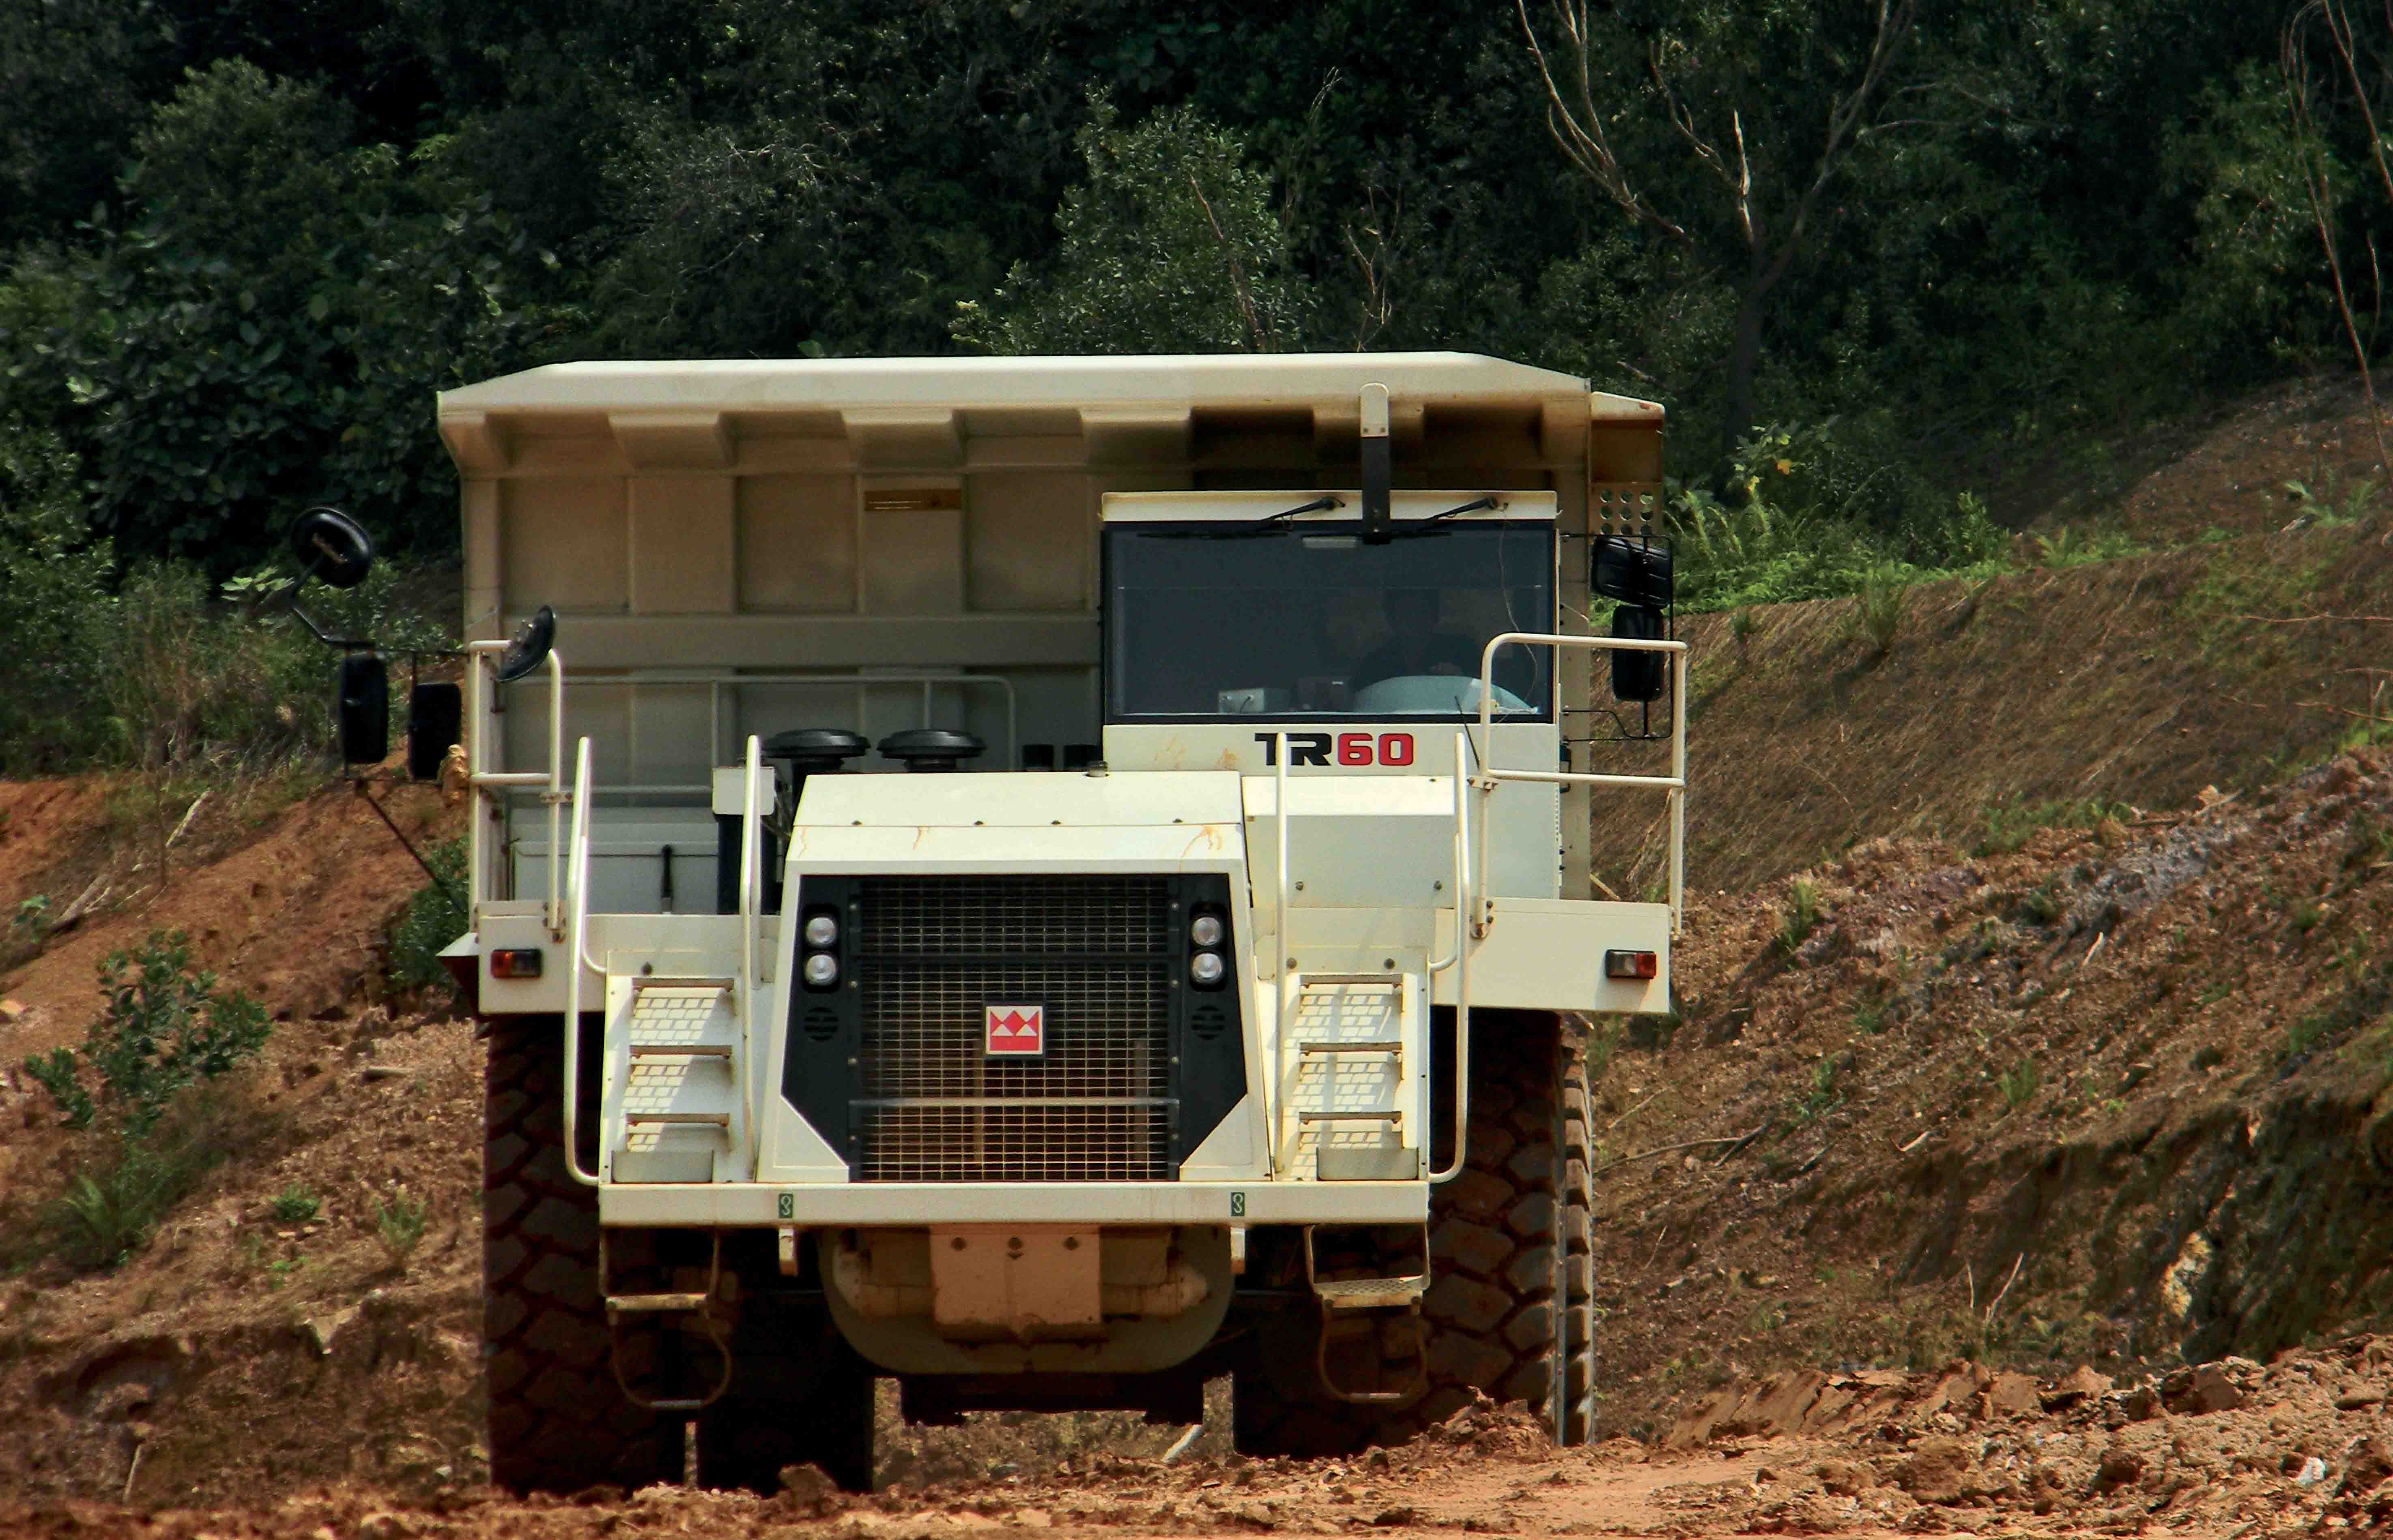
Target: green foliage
(2018, 1084)
(400, 1224)
(166, 1028)
(1170, 246)
(1800, 918)
(53, 580)
(106, 1213)
(2006, 827)
(295, 1205)
(1804, 516)
(1878, 609)
(430, 922)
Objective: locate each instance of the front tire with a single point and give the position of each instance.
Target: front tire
(1509, 1313)
(558, 1421)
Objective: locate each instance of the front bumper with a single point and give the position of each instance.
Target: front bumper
(1099, 1203)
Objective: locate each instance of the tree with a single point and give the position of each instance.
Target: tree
(1764, 99)
(1170, 246)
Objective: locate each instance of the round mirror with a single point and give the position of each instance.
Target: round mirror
(528, 648)
(329, 545)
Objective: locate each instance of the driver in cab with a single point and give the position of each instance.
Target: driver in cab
(1418, 645)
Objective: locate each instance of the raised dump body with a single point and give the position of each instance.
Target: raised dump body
(1070, 877)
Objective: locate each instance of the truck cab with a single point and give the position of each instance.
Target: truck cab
(1050, 880)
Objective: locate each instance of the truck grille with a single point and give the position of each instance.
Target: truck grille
(933, 1105)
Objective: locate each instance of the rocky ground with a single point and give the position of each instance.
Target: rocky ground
(2230, 1449)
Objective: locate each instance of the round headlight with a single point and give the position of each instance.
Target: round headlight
(822, 931)
(1206, 929)
(822, 969)
(1206, 969)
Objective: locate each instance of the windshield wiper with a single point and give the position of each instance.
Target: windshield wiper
(1318, 505)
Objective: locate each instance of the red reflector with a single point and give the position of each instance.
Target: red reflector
(521, 962)
(1631, 965)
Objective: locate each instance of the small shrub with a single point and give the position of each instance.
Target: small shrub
(1800, 917)
(431, 920)
(1822, 1098)
(166, 1026)
(1871, 1016)
(2018, 1084)
(104, 1214)
(399, 1224)
(2305, 915)
(1878, 609)
(295, 1205)
(2006, 827)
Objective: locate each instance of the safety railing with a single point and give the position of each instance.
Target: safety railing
(550, 781)
(577, 905)
(1674, 784)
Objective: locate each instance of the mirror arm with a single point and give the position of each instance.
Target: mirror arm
(346, 644)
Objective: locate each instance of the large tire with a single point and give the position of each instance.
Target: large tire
(799, 1395)
(1509, 1313)
(558, 1421)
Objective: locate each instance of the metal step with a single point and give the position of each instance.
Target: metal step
(669, 1303)
(1384, 1045)
(641, 1119)
(680, 1051)
(1370, 1115)
(1339, 1294)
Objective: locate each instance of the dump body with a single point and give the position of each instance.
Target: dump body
(1015, 1055)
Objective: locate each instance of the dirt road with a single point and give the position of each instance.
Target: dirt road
(2229, 1450)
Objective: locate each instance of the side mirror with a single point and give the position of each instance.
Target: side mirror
(364, 715)
(1633, 571)
(528, 648)
(435, 715)
(329, 545)
(1638, 675)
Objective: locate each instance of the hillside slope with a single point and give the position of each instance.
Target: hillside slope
(2135, 681)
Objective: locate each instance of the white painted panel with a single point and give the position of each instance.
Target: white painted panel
(565, 543)
(913, 561)
(1030, 541)
(796, 543)
(681, 545)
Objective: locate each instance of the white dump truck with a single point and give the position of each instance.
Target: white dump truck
(1049, 880)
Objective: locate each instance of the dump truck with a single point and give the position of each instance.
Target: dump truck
(1049, 882)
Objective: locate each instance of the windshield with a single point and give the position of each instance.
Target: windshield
(1210, 620)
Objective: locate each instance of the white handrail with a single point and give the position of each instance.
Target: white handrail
(552, 782)
(580, 909)
(1280, 974)
(1460, 963)
(1673, 785)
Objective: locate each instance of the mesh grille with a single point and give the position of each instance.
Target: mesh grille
(934, 1106)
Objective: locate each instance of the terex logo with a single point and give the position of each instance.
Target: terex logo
(1015, 1030)
(1392, 749)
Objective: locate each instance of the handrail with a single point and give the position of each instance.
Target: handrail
(580, 908)
(1674, 784)
(1460, 963)
(1280, 939)
(551, 783)
(748, 907)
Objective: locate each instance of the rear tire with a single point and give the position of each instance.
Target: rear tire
(1509, 1313)
(558, 1421)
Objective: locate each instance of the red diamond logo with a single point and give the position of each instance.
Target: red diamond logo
(1016, 1031)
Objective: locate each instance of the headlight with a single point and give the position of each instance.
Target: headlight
(822, 969)
(822, 932)
(1206, 929)
(1205, 969)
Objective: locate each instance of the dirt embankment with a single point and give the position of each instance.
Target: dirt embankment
(2123, 1096)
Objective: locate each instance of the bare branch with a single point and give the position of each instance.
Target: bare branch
(2294, 64)
(1577, 126)
(1237, 271)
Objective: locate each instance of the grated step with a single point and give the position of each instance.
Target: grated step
(1383, 1045)
(637, 1302)
(1370, 1293)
